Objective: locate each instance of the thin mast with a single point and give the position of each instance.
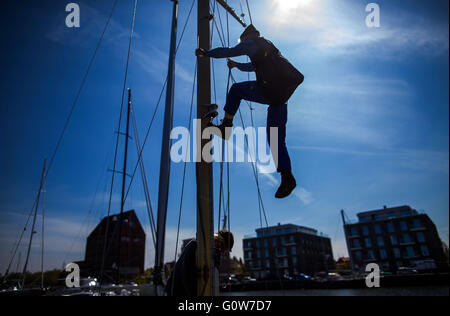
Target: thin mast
(124, 178)
(34, 223)
(163, 193)
(42, 236)
(204, 170)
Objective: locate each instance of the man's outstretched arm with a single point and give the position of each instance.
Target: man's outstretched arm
(248, 48)
(247, 67)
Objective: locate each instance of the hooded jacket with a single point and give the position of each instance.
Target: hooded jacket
(277, 78)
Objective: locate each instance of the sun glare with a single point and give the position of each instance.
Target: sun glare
(288, 5)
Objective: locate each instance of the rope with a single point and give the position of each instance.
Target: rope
(117, 141)
(249, 13)
(183, 181)
(157, 106)
(66, 124)
(185, 163)
(144, 178)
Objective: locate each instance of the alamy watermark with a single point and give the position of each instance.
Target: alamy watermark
(73, 18)
(373, 278)
(374, 17)
(243, 145)
(73, 278)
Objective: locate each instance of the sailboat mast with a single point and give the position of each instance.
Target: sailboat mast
(163, 193)
(204, 170)
(124, 178)
(34, 223)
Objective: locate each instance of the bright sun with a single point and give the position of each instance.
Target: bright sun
(288, 5)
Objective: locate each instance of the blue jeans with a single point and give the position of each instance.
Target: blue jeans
(276, 116)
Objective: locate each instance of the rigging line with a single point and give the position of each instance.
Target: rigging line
(157, 105)
(254, 173)
(117, 139)
(42, 237)
(85, 222)
(253, 166)
(19, 241)
(66, 124)
(221, 26)
(144, 178)
(249, 13)
(228, 27)
(185, 164)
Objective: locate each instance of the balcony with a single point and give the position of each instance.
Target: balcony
(417, 229)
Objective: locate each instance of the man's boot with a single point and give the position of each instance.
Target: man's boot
(288, 184)
(225, 128)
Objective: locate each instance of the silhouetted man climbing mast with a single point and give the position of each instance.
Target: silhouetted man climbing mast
(276, 81)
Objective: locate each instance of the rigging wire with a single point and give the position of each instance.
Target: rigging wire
(144, 178)
(184, 168)
(66, 124)
(249, 13)
(157, 105)
(117, 140)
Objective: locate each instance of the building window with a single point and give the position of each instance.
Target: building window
(420, 237)
(274, 242)
(406, 238)
(391, 227)
(368, 242)
(370, 255)
(283, 241)
(383, 254)
(410, 253)
(403, 226)
(397, 253)
(258, 254)
(266, 252)
(394, 240)
(358, 255)
(266, 243)
(294, 261)
(417, 223)
(268, 264)
(248, 255)
(365, 231)
(354, 232)
(293, 251)
(257, 244)
(377, 229)
(424, 250)
(380, 241)
(248, 244)
(356, 243)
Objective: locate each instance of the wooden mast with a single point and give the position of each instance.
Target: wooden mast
(204, 170)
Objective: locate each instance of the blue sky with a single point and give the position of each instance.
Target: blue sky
(369, 126)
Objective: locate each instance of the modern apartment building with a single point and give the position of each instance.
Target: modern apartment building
(287, 250)
(393, 238)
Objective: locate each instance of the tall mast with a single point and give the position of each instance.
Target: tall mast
(34, 223)
(204, 170)
(163, 193)
(42, 237)
(124, 178)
